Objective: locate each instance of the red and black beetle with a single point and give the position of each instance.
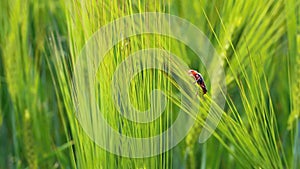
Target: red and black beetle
(199, 79)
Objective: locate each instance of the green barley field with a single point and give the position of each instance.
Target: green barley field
(41, 116)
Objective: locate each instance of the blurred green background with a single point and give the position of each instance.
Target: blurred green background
(259, 44)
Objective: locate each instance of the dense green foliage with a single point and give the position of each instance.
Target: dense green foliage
(259, 42)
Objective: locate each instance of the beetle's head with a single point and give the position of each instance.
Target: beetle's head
(193, 73)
